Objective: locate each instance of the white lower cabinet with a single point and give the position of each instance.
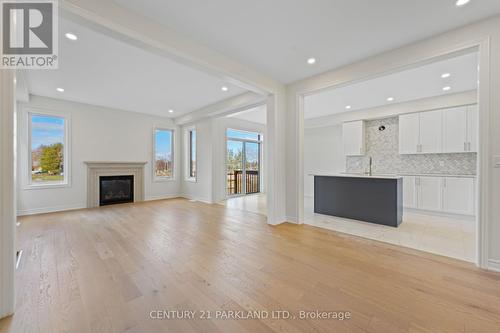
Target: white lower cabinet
(441, 194)
(409, 192)
(458, 195)
(429, 193)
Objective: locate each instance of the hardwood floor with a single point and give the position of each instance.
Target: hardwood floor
(105, 270)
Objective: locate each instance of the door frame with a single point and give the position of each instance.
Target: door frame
(226, 139)
(480, 45)
(7, 192)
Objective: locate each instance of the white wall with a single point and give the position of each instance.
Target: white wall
(96, 134)
(486, 32)
(211, 134)
(201, 189)
(323, 153)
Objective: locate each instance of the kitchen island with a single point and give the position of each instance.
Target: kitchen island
(376, 199)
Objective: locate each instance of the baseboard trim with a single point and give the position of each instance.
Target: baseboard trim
(44, 210)
(291, 219)
(471, 218)
(494, 265)
(188, 197)
(162, 197)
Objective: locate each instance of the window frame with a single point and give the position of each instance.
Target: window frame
(172, 147)
(30, 185)
(188, 177)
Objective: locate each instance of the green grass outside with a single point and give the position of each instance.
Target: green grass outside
(47, 178)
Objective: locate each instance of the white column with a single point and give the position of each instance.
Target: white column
(7, 192)
(275, 158)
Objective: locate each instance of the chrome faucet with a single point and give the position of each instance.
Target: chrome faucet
(370, 163)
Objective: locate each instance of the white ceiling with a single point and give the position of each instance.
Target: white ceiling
(276, 37)
(408, 85)
(99, 70)
(256, 115)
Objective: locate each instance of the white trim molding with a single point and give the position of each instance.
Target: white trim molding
(66, 182)
(52, 209)
(98, 169)
(494, 265)
(172, 155)
(7, 192)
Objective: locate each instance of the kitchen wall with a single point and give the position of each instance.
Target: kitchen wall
(96, 134)
(323, 153)
(382, 146)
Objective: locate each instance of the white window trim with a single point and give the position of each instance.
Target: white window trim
(67, 157)
(155, 178)
(187, 160)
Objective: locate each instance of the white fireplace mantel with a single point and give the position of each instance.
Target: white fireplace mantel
(100, 168)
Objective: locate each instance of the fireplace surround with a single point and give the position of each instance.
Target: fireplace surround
(95, 170)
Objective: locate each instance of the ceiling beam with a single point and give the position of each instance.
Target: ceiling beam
(223, 108)
(124, 24)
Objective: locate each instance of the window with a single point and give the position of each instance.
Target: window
(243, 162)
(243, 135)
(192, 154)
(163, 153)
(48, 150)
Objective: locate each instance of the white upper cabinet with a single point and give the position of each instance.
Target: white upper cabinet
(472, 128)
(431, 132)
(409, 127)
(455, 130)
(353, 137)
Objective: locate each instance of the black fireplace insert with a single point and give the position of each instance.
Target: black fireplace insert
(116, 190)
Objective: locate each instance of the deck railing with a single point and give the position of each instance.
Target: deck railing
(235, 182)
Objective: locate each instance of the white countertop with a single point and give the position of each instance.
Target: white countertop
(356, 175)
(389, 176)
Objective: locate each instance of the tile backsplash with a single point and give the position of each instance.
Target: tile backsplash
(382, 146)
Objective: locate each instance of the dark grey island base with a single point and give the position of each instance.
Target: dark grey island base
(366, 198)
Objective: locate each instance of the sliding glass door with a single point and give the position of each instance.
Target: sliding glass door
(243, 161)
(235, 184)
(252, 166)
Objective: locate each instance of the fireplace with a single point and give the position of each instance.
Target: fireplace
(116, 189)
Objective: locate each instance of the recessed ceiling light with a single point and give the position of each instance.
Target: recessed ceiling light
(390, 99)
(447, 88)
(311, 61)
(461, 3)
(445, 75)
(348, 107)
(224, 88)
(71, 36)
(170, 111)
(60, 89)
